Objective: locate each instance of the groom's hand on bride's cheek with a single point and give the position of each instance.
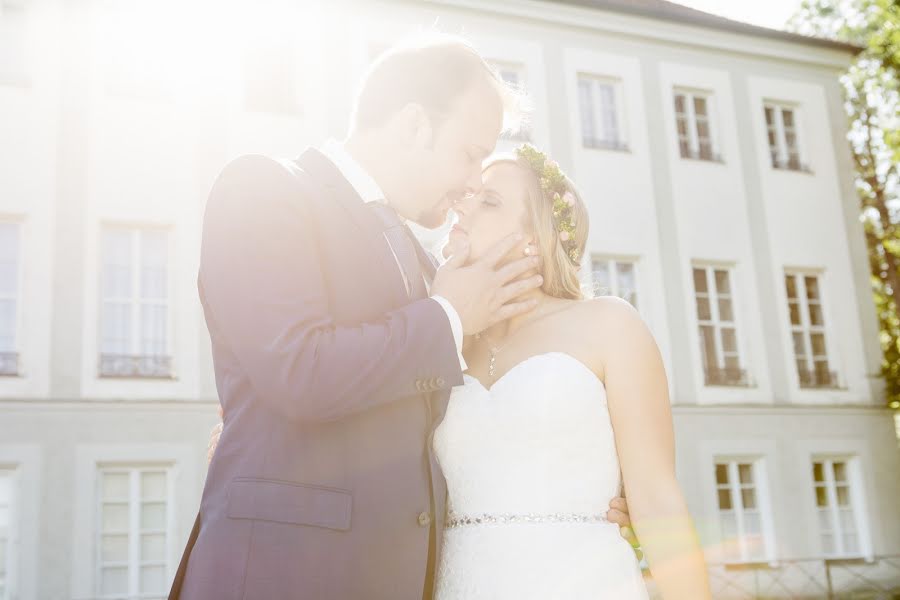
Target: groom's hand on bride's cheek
(486, 292)
(618, 514)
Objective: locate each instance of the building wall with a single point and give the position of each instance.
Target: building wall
(787, 438)
(84, 144)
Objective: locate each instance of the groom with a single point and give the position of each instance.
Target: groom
(335, 343)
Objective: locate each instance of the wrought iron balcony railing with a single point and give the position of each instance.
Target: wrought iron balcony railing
(135, 366)
(806, 579)
(792, 164)
(519, 135)
(702, 154)
(726, 376)
(9, 364)
(602, 144)
(817, 379)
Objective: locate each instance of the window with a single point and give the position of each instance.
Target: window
(8, 533)
(692, 120)
(134, 530)
(271, 79)
(9, 303)
(13, 17)
(740, 514)
(600, 102)
(137, 39)
(781, 127)
(615, 277)
(718, 331)
(808, 331)
(134, 330)
(514, 75)
(838, 518)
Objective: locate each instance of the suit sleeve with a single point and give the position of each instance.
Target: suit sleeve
(264, 297)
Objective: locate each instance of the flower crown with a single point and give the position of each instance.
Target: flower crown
(555, 188)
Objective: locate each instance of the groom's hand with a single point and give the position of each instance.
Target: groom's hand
(618, 514)
(484, 293)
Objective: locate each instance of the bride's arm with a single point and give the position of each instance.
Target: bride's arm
(638, 397)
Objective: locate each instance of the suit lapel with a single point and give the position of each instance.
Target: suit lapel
(387, 242)
(329, 177)
(405, 249)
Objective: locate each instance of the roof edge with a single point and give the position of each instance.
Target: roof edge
(690, 16)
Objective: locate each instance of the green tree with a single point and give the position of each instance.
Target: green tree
(873, 108)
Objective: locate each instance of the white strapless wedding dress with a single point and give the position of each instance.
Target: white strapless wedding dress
(531, 466)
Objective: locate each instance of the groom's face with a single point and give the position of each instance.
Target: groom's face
(450, 163)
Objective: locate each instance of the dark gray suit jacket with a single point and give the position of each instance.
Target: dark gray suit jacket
(332, 379)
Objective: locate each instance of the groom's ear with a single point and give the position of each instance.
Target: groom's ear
(416, 126)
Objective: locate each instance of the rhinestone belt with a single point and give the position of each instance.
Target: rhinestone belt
(508, 519)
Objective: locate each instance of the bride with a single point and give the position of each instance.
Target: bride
(560, 407)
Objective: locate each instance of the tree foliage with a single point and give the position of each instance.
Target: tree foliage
(873, 109)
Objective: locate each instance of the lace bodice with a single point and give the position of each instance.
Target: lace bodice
(538, 441)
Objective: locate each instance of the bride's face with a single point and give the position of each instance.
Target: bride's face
(496, 211)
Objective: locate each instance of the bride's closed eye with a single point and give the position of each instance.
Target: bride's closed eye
(490, 199)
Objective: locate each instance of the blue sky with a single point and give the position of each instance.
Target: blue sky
(768, 13)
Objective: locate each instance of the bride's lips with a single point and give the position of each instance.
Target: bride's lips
(458, 230)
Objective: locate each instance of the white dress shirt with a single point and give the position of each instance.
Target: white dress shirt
(369, 190)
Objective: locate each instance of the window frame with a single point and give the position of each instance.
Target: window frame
(134, 531)
(16, 353)
(763, 505)
(620, 144)
(525, 131)
(693, 135)
(743, 378)
(806, 329)
(10, 587)
(854, 483)
(612, 263)
(187, 466)
(136, 303)
(18, 74)
(783, 160)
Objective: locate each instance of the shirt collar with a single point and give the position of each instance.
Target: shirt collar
(353, 172)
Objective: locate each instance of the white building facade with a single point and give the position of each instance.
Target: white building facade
(712, 156)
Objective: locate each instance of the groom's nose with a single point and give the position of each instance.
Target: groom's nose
(475, 181)
(464, 204)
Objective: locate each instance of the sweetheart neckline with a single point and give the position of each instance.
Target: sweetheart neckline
(530, 358)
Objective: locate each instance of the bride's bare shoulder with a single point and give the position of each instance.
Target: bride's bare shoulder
(613, 321)
(608, 310)
(597, 327)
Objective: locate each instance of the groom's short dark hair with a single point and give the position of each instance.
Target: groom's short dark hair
(430, 69)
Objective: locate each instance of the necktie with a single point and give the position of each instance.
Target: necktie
(412, 259)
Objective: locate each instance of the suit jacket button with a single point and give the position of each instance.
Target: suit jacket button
(424, 519)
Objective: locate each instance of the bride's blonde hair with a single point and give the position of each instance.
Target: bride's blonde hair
(561, 264)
